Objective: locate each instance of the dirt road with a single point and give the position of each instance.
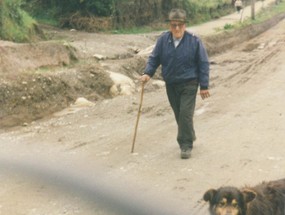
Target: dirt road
(67, 164)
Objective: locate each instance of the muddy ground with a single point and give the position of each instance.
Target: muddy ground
(73, 161)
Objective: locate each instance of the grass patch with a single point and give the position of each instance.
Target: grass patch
(48, 21)
(139, 30)
(15, 24)
(269, 12)
(263, 15)
(228, 26)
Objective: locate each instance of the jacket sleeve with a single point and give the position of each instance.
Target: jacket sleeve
(154, 59)
(203, 66)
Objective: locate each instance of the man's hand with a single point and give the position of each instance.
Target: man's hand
(144, 78)
(204, 94)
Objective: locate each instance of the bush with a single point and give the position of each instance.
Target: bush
(15, 24)
(67, 7)
(122, 13)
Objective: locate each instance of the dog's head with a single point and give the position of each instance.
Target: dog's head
(228, 200)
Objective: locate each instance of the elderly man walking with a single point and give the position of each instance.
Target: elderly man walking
(185, 68)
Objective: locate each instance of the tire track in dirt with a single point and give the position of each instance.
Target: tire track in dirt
(246, 61)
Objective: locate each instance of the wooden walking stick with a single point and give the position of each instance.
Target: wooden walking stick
(138, 118)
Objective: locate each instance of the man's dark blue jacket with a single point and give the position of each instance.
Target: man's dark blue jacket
(188, 61)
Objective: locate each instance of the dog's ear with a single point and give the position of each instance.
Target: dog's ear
(248, 195)
(209, 195)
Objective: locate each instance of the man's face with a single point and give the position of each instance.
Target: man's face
(177, 28)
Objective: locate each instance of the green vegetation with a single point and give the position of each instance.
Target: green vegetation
(125, 13)
(203, 10)
(15, 24)
(56, 8)
(133, 30)
(212, 3)
(263, 15)
(269, 12)
(228, 26)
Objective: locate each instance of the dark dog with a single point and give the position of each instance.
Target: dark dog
(267, 198)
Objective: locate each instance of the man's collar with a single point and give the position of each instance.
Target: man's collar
(176, 39)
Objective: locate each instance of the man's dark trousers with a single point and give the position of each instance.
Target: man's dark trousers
(182, 98)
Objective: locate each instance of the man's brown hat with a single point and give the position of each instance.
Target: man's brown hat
(177, 15)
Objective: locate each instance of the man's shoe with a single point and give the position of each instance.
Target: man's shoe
(185, 153)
